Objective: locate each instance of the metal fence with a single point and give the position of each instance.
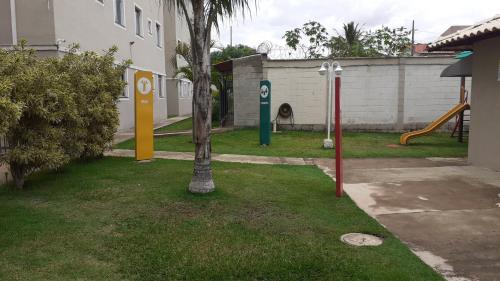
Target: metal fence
(3, 145)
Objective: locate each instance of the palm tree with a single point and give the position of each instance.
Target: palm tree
(352, 33)
(184, 51)
(201, 16)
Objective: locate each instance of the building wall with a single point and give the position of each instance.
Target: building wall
(377, 94)
(427, 95)
(175, 27)
(35, 22)
(100, 32)
(247, 74)
(5, 23)
(484, 144)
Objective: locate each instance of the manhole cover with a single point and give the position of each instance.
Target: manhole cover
(360, 239)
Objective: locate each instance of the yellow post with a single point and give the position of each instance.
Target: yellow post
(144, 142)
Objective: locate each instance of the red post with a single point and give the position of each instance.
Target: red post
(339, 173)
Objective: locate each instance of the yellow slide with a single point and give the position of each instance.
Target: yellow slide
(434, 125)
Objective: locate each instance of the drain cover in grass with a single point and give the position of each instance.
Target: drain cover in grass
(361, 239)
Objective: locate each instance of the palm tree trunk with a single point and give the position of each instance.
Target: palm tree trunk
(201, 181)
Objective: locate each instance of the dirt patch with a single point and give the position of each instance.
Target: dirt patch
(392, 145)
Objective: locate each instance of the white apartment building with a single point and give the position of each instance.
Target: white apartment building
(145, 31)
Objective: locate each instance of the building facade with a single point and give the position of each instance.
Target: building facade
(484, 40)
(145, 31)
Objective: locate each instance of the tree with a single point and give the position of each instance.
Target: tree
(315, 43)
(184, 51)
(387, 41)
(348, 44)
(201, 16)
(232, 52)
(353, 42)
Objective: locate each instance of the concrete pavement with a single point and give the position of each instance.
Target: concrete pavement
(448, 213)
(247, 159)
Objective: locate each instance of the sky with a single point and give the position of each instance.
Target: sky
(271, 18)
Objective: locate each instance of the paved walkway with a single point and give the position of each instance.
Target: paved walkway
(249, 159)
(130, 134)
(447, 212)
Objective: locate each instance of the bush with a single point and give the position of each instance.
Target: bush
(96, 86)
(57, 109)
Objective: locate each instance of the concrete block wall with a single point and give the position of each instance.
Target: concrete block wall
(247, 74)
(387, 94)
(427, 95)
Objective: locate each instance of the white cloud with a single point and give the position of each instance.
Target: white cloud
(432, 17)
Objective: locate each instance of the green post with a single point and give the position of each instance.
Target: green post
(265, 112)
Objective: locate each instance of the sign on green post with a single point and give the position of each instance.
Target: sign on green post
(265, 112)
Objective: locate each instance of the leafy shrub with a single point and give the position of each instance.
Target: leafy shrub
(96, 87)
(56, 109)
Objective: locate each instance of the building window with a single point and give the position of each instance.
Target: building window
(138, 21)
(185, 88)
(158, 35)
(119, 12)
(100, 2)
(124, 94)
(150, 27)
(159, 86)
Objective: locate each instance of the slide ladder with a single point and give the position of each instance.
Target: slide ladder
(434, 125)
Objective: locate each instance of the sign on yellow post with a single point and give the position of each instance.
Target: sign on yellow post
(144, 115)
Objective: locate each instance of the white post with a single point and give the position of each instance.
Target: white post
(327, 69)
(329, 105)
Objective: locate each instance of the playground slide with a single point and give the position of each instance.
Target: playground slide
(436, 124)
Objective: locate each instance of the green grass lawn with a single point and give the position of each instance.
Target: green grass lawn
(184, 125)
(309, 144)
(115, 219)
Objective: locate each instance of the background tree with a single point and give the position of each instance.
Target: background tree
(311, 39)
(385, 41)
(231, 52)
(225, 54)
(201, 16)
(184, 51)
(352, 42)
(348, 44)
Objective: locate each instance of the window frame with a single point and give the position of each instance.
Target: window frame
(150, 27)
(141, 26)
(160, 86)
(126, 90)
(159, 35)
(123, 23)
